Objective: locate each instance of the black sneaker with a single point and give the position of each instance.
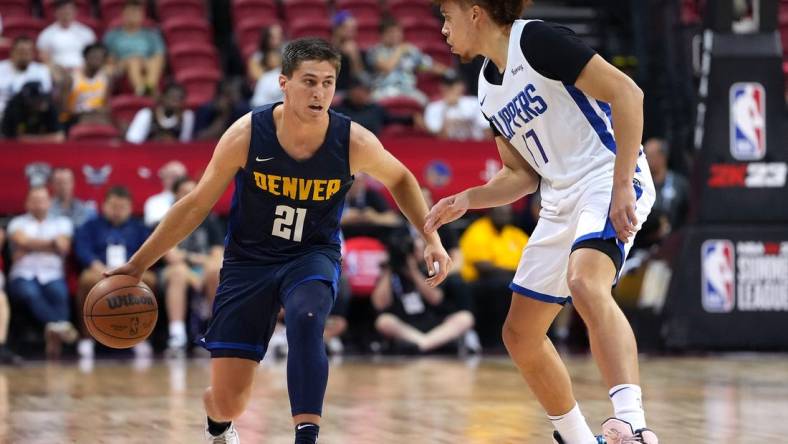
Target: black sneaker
(7, 357)
(558, 440)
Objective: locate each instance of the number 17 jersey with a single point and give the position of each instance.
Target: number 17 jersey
(283, 208)
(564, 134)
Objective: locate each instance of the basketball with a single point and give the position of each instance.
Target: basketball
(120, 311)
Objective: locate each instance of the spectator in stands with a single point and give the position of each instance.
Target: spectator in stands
(6, 355)
(106, 242)
(672, 189)
(138, 50)
(227, 106)
(359, 106)
(38, 245)
(491, 248)
(267, 89)
(194, 264)
(456, 116)
(20, 69)
(168, 121)
(272, 38)
(64, 203)
(31, 116)
(89, 88)
(60, 45)
(410, 310)
(396, 63)
(343, 37)
(157, 205)
(365, 206)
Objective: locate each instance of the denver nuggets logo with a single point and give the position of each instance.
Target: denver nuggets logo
(297, 188)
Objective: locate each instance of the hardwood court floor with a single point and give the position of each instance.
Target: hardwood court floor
(720, 400)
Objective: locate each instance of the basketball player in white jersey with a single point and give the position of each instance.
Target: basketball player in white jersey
(552, 104)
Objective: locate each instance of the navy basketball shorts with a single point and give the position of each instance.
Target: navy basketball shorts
(249, 298)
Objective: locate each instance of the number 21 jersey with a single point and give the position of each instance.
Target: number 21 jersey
(283, 208)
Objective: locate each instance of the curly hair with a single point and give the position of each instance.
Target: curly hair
(503, 12)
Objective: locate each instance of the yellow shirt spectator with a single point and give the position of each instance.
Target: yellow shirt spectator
(482, 242)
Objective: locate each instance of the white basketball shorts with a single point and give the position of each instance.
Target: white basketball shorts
(578, 216)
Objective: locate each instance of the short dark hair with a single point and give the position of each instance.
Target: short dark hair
(58, 3)
(503, 12)
(94, 46)
(117, 191)
(134, 3)
(309, 48)
(388, 22)
(180, 181)
(21, 39)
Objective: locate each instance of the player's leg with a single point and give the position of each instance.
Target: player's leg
(391, 326)
(231, 387)
(454, 326)
(307, 306)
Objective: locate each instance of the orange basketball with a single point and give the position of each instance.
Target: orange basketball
(120, 311)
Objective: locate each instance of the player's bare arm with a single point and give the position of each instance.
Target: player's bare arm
(513, 181)
(603, 81)
(186, 214)
(367, 155)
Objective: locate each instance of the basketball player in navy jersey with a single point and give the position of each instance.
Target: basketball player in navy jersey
(551, 103)
(292, 164)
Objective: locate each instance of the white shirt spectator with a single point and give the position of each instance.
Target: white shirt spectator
(267, 89)
(65, 45)
(157, 206)
(463, 120)
(42, 266)
(11, 80)
(142, 124)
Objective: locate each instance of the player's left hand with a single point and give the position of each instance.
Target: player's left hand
(622, 212)
(438, 263)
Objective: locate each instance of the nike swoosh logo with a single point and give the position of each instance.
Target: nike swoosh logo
(263, 160)
(482, 102)
(303, 426)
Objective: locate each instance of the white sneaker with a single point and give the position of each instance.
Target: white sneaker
(335, 346)
(230, 436)
(143, 350)
(176, 347)
(86, 348)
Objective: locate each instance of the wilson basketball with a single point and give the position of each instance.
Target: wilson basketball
(120, 311)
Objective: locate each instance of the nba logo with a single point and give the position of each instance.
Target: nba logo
(719, 278)
(748, 121)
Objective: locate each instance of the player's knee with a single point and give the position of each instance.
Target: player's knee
(586, 292)
(301, 320)
(517, 339)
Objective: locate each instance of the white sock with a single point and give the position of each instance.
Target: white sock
(573, 428)
(177, 329)
(628, 405)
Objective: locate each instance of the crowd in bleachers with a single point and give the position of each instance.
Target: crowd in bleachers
(137, 70)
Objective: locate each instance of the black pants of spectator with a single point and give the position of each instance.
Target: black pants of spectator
(492, 297)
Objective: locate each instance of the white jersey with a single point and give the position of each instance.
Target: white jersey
(564, 134)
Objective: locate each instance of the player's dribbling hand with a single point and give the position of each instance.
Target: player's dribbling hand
(446, 210)
(129, 269)
(438, 263)
(622, 212)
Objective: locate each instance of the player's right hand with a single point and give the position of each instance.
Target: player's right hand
(446, 210)
(129, 269)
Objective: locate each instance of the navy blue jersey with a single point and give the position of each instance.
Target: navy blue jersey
(283, 208)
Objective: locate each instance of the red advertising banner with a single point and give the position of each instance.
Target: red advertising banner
(445, 167)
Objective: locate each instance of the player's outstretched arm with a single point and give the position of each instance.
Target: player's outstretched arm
(186, 214)
(603, 81)
(367, 155)
(514, 180)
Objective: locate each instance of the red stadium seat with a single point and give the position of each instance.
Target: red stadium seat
(430, 84)
(186, 29)
(300, 9)
(83, 10)
(181, 8)
(5, 50)
(419, 29)
(248, 33)
(254, 9)
(93, 132)
(111, 9)
(17, 26)
(401, 106)
(124, 107)
(438, 50)
(360, 9)
(401, 9)
(184, 55)
(310, 27)
(14, 8)
(399, 131)
(368, 32)
(200, 84)
(361, 264)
